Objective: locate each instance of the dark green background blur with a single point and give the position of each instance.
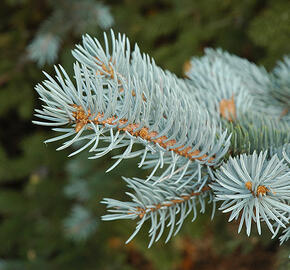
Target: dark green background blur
(34, 206)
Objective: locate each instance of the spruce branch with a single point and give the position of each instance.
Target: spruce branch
(257, 132)
(160, 203)
(158, 114)
(121, 97)
(87, 14)
(44, 48)
(269, 91)
(280, 87)
(80, 224)
(256, 188)
(219, 88)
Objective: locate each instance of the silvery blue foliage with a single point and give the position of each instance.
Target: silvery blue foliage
(104, 16)
(286, 153)
(281, 82)
(151, 201)
(254, 77)
(80, 224)
(89, 14)
(68, 16)
(44, 48)
(121, 97)
(214, 81)
(258, 132)
(254, 188)
(285, 235)
(281, 151)
(150, 107)
(77, 189)
(260, 85)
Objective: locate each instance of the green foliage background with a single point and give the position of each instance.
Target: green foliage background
(34, 178)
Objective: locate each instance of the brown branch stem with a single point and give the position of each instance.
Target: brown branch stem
(143, 211)
(83, 119)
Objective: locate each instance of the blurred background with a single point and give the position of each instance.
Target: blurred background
(50, 204)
